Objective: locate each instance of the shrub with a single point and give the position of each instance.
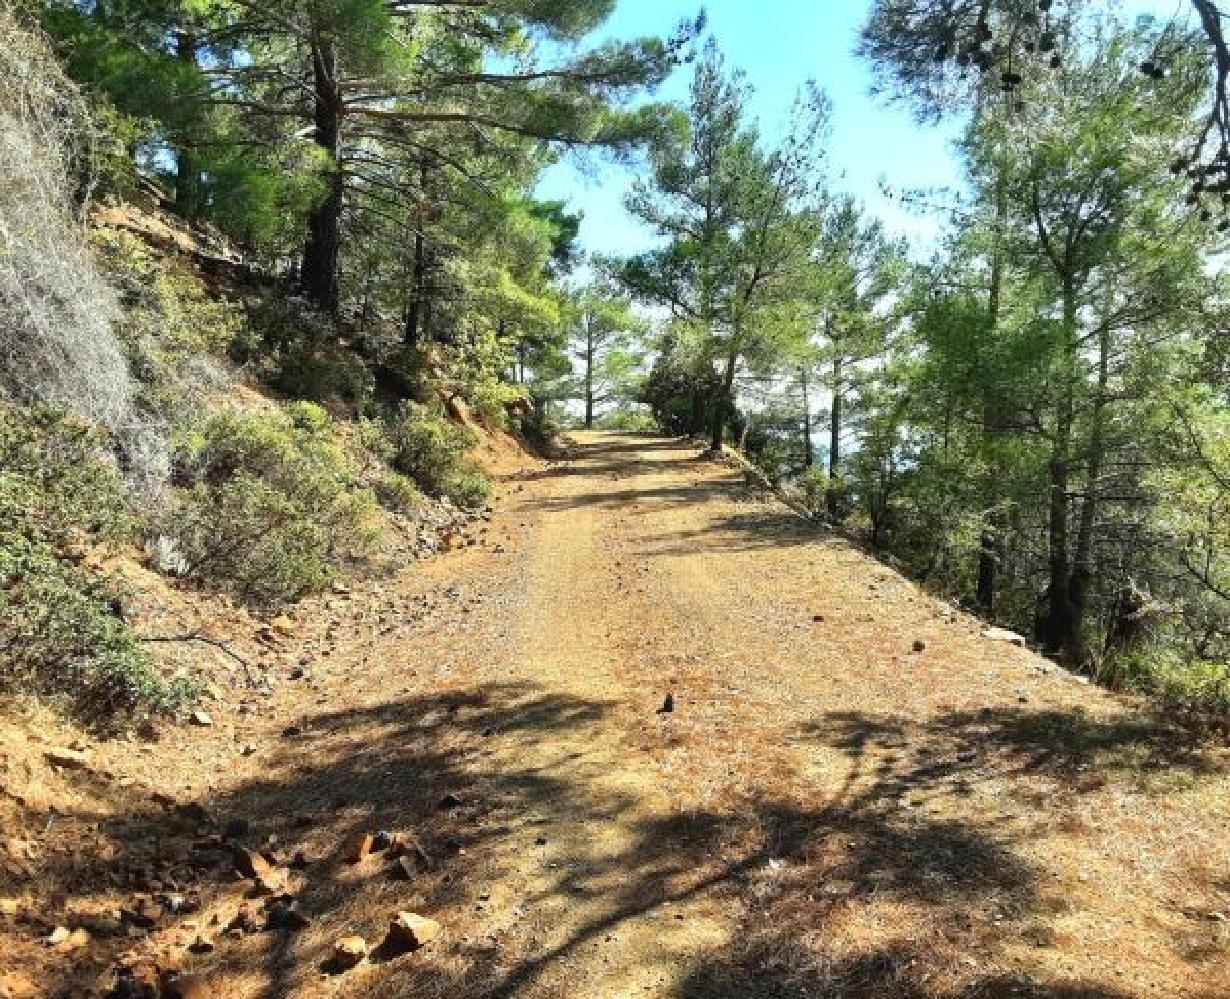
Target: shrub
(300, 354)
(1171, 676)
(492, 398)
(397, 493)
(629, 419)
(60, 636)
(271, 507)
(813, 486)
(174, 330)
(431, 450)
(467, 487)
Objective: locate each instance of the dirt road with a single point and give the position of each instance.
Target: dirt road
(826, 812)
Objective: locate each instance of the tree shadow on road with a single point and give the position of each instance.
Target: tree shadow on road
(857, 895)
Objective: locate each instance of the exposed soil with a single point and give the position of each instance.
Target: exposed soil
(825, 812)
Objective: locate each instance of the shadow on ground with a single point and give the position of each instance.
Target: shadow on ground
(854, 896)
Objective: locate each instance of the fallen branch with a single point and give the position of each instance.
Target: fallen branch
(196, 636)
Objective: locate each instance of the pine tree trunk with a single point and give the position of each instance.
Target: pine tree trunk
(721, 405)
(187, 174)
(809, 451)
(989, 548)
(1062, 623)
(1082, 562)
(322, 251)
(589, 372)
(832, 498)
(418, 306)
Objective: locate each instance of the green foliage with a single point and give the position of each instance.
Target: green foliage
(271, 507)
(812, 488)
(1164, 671)
(628, 419)
(398, 493)
(492, 398)
(60, 636)
(431, 450)
(296, 350)
(740, 225)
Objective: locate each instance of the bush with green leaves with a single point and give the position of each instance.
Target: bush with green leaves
(398, 493)
(271, 507)
(492, 399)
(1166, 673)
(298, 353)
(60, 637)
(431, 450)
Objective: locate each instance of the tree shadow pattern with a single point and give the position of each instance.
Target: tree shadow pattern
(853, 896)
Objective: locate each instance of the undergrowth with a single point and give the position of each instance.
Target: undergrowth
(426, 446)
(271, 508)
(60, 637)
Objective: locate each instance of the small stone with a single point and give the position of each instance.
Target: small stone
(272, 883)
(188, 986)
(68, 759)
(283, 626)
(201, 719)
(201, 945)
(349, 951)
(450, 801)
(145, 915)
(250, 863)
(920, 645)
(1004, 635)
(243, 922)
(284, 914)
(361, 849)
(58, 936)
(410, 931)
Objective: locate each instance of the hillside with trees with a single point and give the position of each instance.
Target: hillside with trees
(399, 596)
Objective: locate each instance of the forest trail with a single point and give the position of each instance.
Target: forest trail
(826, 812)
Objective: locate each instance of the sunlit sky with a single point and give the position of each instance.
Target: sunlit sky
(780, 44)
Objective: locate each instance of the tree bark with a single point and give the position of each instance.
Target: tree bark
(809, 451)
(1082, 563)
(832, 498)
(1061, 624)
(187, 173)
(990, 546)
(721, 404)
(322, 252)
(589, 371)
(418, 306)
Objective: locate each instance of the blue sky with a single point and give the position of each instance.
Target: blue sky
(781, 44)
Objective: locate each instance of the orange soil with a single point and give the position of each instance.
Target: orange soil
(826, 812)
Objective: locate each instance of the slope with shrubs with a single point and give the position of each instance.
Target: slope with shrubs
(154, 409)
